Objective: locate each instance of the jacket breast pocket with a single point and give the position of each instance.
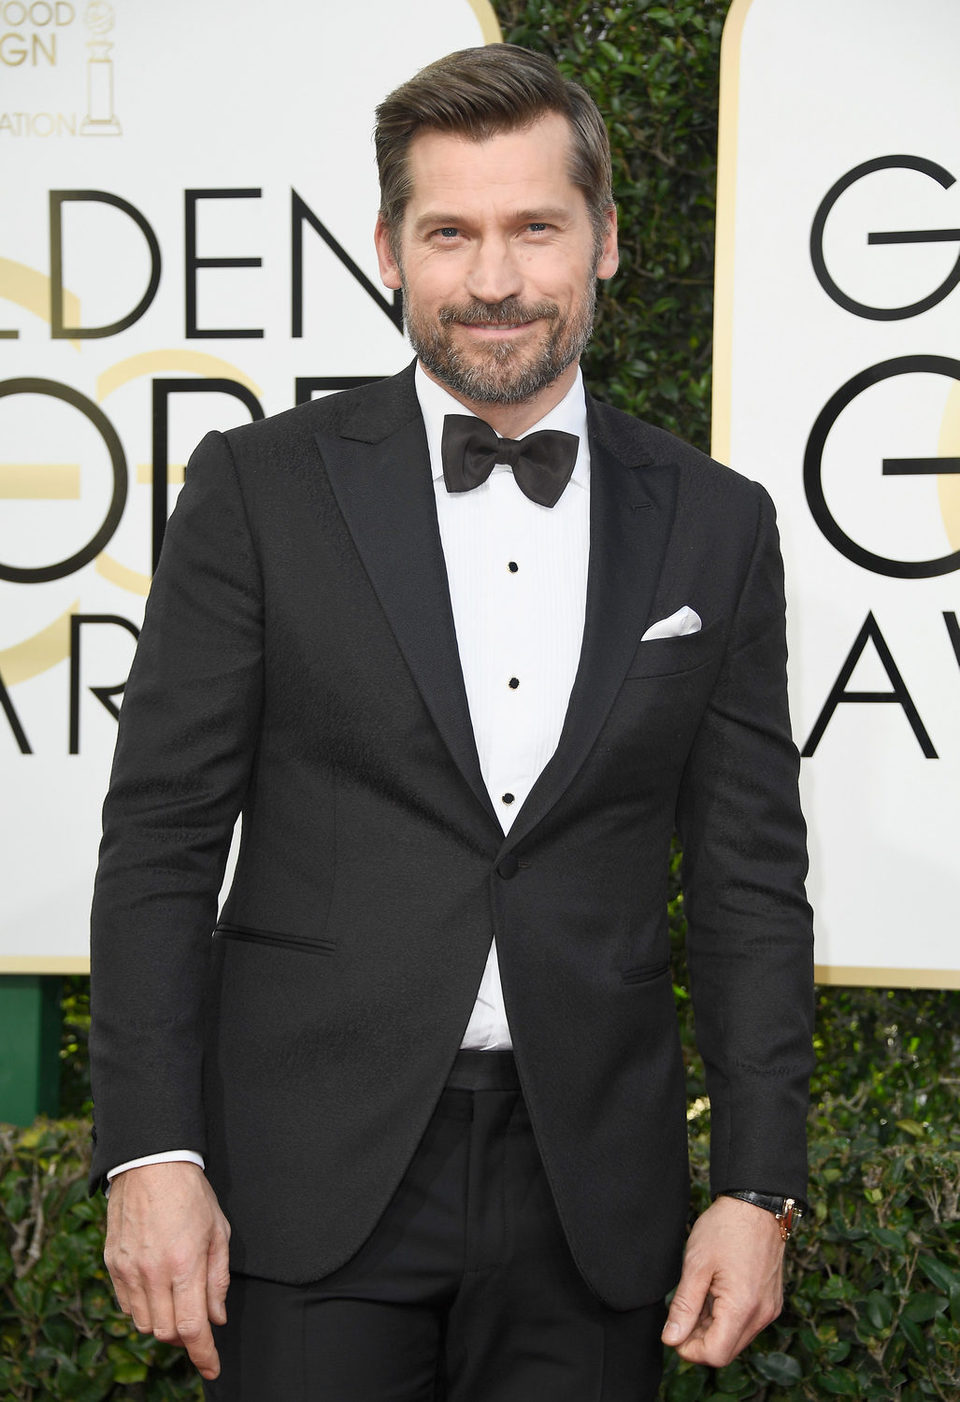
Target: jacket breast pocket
(665, 656)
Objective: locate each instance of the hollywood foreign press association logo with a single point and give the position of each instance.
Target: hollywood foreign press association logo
(39, 40)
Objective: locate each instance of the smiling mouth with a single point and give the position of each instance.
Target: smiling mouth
(495, 328)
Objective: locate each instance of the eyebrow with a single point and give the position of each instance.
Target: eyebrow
(543, 214)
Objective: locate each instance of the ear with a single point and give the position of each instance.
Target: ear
(389, 267)
(609, 259)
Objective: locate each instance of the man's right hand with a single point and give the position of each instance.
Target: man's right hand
(166, 1252)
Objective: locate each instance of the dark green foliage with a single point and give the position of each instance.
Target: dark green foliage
(653, 70)
(61, 1334)
(75, 1034)
(873, 1306)
(873, 1287)
(888, 1064)
(873, 1283)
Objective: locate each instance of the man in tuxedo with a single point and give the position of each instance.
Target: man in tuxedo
(464, 647)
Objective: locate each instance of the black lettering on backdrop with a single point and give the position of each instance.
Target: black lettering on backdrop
(19, 734)
(299, 212)
(192, 263)
(925, 167)
(104, 694)
(43, 573)
(162, 390)
(60, 332)
(305, 385)
(899, 695)
(813, 467)
(953, 633)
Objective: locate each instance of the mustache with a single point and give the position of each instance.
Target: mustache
(505, 313)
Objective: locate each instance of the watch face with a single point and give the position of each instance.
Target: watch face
(788, 1217)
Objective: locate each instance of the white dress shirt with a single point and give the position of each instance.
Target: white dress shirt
(517, 574)
(518, 586)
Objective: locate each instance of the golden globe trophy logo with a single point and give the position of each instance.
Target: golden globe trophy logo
(100, 119)
(837, 385)
(180, 256)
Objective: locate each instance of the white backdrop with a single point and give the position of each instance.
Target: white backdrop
(838, 387)
(267, 111)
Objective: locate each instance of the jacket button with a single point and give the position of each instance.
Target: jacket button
(508, 867)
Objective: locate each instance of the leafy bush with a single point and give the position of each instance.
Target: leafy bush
(654, 72)
(61, 1334)
(873, 1283)
(872, 1287)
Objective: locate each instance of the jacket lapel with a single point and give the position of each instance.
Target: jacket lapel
(632, 501)
(378, 465)
(377, 461)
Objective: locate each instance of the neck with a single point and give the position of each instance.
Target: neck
(513, 420)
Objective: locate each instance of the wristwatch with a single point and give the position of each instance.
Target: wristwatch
(787, 1211)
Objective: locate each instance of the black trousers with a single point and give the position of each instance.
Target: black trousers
(464, 1292)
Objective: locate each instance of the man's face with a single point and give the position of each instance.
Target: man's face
(497, 258)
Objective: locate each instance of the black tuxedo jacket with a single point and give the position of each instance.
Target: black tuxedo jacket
(298, 663)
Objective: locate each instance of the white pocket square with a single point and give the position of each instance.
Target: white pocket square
(678, 625)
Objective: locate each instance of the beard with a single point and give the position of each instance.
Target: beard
(501, 372)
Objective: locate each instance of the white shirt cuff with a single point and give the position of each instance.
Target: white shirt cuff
(169, 1156)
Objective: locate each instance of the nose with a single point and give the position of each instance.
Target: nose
(493, 274)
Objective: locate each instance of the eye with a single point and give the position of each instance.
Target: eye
(448, 232)
(537, 227)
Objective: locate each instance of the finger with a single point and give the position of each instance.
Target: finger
(719, 1339)
(118, 1279)
(138, 1308)
(193, 1327)
(123, 1296)
(160, 1308)
(689, 1306)
(218, 1279)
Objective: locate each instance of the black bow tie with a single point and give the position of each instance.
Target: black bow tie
(542, 462)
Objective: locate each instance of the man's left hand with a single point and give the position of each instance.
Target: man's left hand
(731, 1286)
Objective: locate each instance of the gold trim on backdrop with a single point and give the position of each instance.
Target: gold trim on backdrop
(30, 288)
(40, 481)
(134, 368)
(133, 581)
(489, 24)
(833, 974)
(41, 652)
(858, 976)
(44, 964)
(729, 118)
(148, 362)
(948, 484)
(176, 474)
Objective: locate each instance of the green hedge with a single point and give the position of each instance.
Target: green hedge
(873, 1308)
(654, 72)
(872, 1286)
(61, 1334)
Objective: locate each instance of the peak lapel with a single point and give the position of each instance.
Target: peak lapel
(631, 513)
(385, 492)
